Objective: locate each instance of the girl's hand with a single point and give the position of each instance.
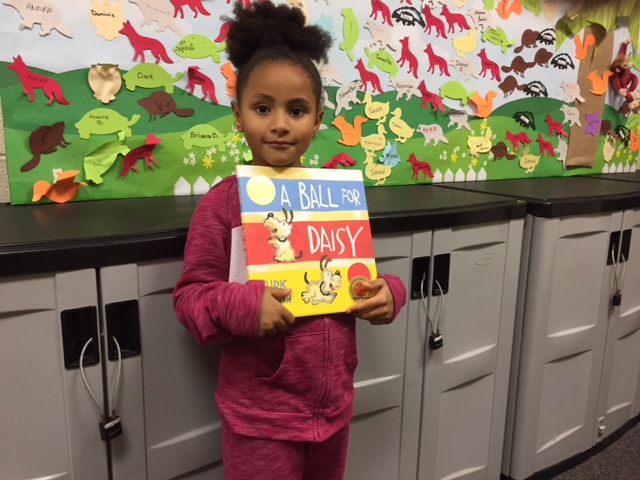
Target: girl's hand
(379, 308)
(274, 316)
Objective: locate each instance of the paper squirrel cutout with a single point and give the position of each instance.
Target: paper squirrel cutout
(39, 11)
(31, 80)
(623, 80)
(44, 140)
(63, 189)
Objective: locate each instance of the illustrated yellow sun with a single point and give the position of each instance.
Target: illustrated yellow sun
(261, 190)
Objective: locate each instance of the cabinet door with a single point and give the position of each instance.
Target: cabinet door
(619, 392)
(562, 342)
(49, 423)
(465, 387)
(374, 449)
(171, 426)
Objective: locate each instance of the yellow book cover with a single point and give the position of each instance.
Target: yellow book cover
(307, 229)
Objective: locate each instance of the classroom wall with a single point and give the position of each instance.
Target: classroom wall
(4, 179)
(460, 116)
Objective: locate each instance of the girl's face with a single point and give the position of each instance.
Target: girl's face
(278, 114)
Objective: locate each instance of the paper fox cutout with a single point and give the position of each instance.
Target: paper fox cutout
(30, 81)
(196, 77)
(141, 43)
(196, 7)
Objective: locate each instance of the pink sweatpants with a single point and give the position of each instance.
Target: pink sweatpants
(248, 458)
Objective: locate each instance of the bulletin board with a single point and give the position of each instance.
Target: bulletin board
(108, 99)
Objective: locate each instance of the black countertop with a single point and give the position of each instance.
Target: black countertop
(623, 177)
(51, 237)
(562, 196)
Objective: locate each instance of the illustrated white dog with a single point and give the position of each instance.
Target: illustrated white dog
(280, 229)
(323, 290)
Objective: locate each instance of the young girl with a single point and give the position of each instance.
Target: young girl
(285, 390)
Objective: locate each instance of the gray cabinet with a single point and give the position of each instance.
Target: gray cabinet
(456, 395)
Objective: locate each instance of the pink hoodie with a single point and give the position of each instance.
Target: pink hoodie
(296, 385)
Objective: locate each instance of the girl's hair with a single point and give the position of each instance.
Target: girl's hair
(265, 32)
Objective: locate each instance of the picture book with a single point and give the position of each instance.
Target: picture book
(307, 229)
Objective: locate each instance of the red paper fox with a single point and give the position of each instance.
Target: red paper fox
(196, 77)
(196, 7)
(141, 43)
(30, 81)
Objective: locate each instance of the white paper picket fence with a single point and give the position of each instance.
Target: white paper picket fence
(182, 187)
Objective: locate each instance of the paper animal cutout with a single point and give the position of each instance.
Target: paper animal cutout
(196, 77)
(571, 92)
(381, 36)
(347, 94)
(43, 13)
(545, 147)
(465, 44)
(341, 158)
(555, 127)
(509, 85)
(404, 87)
(229, 73)
(525, 119)
(484, 105)
(599, 83)
(375, 141)
(500, 150)
(350, 31)
(432, 133)
(455, 91)
(378, 172)
(375, 110)
(571, 115)
(383, 60)
(31, 80)
(44, 140)
(582, 47)
(454, 19)
(408, 16)
(205, 135)
(518, 139)
(390, 156)
(107, 16)
(550, 8)
(498, 36)
(351, 134)
(593, 124)
(533, 6)
(430, 98)
(536, 89)
(162, 103)
(63, 189)
(479, 144)
(418, 166)
(150, 75)
(464, 67)
(561, 151)
(488, 65)
(542, 57)
(302, 5)
(609, 148)
(406, 55)
(562, 61)
(432, 21)
(528, 39)
(379, 7)
(481, 18)
(518, 66)
(141, 43)
(105, 81)
(459, 119)
(367, 76)
(196, 7)
(142, 152)
(399, 127)
(328, 73)
(197, 46)
(159, 11)
(547, 36)
(98, 162)
(505, 9)
(635, 141)
(103, 121)
(436, 61)
(528, 161)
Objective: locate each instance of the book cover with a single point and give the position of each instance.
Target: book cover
(307, 229)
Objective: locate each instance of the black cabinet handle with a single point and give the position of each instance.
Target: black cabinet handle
(78, 326)
(123, 323)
